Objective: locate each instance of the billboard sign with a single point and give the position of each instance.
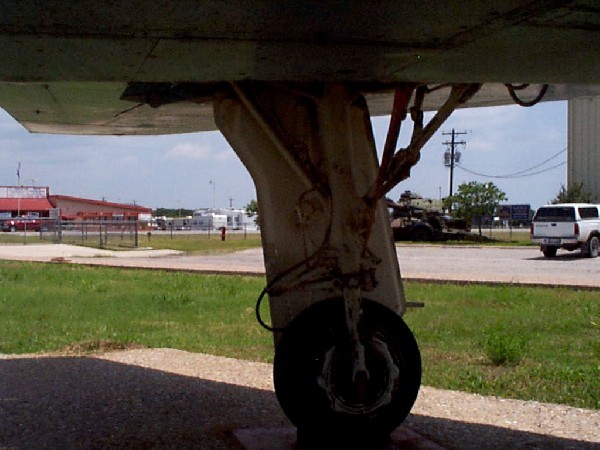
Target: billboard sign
(23, 192)
(519, 212)
(513, 212)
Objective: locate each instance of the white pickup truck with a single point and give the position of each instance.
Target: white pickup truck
(571, 226)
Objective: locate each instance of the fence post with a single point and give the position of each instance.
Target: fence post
(136, 225)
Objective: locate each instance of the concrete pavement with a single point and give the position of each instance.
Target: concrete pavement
(514, 265)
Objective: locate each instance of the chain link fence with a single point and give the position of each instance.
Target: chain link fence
(95, 233)
(112, 234)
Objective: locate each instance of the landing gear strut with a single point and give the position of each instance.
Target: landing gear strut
(347, 368)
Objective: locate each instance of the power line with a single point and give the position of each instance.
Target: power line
(524, 172)
(512, 176)
(537, 165)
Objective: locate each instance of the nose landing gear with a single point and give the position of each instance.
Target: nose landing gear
(347, 368)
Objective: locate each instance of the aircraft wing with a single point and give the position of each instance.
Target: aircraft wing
(71, 67)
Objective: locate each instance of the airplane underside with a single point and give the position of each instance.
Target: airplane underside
(347, 368)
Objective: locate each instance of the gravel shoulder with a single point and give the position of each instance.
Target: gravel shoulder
(166, 398)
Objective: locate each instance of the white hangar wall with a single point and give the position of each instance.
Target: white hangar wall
(584, 144)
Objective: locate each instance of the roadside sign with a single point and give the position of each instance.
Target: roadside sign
(519, 212)
(505, 212)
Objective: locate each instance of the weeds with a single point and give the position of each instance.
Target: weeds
(504, 349)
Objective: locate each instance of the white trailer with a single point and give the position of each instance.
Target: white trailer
(203, 220)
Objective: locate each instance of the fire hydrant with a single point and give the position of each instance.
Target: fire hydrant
(223, 233)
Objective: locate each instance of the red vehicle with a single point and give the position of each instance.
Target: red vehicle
(22, 224)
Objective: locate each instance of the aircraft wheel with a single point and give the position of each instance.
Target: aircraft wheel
(313, 371)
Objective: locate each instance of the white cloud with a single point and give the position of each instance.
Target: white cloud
(195, 151)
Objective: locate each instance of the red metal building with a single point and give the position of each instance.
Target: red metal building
(77, 208)
(36, 201)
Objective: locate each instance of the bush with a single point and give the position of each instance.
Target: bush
(504, 349)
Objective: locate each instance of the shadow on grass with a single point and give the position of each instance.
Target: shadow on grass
(81, 402)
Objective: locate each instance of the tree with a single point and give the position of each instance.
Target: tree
(475, 200)
(252, 207)
(172, 212)
(252, 210)
(573, 194)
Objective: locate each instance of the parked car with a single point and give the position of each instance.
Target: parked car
(22, 224)
(571, 226)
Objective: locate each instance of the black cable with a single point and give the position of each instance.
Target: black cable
(520, 172)
(259, 319)
(270, 285)
(537, 165)
(517, 176)
(512, 92)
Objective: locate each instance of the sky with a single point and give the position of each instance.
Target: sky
(200, 170)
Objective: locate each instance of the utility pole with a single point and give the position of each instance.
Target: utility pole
(214, 186)
(19, 189)
(452, 156)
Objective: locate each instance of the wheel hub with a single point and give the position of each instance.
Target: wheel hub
(370, 391)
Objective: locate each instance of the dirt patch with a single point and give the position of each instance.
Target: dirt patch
(95, 347)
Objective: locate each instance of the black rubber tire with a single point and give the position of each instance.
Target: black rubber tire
(550, 252)
(592, 247)
(318, 333)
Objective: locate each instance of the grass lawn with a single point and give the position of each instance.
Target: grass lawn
(545, 341)
(201, 243)
(187, 242)
(236, 241)
(518, 237)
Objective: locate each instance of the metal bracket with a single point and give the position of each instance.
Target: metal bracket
(395, 165)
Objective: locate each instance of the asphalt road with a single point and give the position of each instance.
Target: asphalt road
(519, 265)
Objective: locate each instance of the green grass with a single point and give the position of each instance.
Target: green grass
(14, 238)
(550, 336)
(189, 243)
(201, 243)
(517, 237)
(501, 237)
(49, 307)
